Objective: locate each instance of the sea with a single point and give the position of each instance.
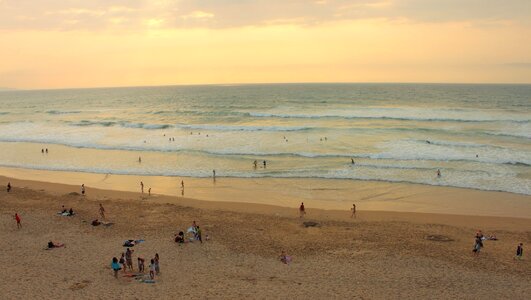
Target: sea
(477, 136)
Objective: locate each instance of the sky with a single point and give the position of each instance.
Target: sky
(99, 43)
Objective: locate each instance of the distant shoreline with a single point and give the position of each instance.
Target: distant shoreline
(328, 195)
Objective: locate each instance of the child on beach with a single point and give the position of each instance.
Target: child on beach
(519, 251)
(115, 266)
(17, 218)
(302, 210)
(152, 269)
(122, 261)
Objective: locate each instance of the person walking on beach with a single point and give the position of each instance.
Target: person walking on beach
(17, 218)
(353, 209)
(149, 192)
(182, 185)
(83, 189)
(214, 174)
(519, 251)
(302, 211)
(102, 212)
(139, 159)
(9, 187)
(142, 187)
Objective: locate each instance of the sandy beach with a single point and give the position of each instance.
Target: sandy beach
(378, 254)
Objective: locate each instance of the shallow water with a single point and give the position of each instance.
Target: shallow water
(479, 136)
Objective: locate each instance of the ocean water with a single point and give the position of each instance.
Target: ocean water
(479, 136)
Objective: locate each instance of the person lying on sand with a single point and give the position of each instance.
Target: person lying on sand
(52, 245)
(285, 258)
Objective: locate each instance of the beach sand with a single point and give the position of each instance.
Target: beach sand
(378, 254)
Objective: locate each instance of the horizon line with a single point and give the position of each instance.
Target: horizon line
(9, 89)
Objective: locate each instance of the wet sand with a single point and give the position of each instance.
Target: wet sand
(316, 193)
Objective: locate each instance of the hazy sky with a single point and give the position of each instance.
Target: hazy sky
(80, 43)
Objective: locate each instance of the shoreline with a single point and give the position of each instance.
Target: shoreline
(324, 194)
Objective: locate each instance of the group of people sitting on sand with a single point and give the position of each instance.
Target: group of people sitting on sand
(195, 232)
(65, 212)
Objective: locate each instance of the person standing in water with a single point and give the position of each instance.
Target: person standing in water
(352, 161)
(302, 210)
(214, 174)
(255, 163)
(353, 209)
(438, 173)
(142, 187)
(265, 164)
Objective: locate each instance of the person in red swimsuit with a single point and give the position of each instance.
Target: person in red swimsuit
(17, 218)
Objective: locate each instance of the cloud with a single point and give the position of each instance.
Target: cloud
(102, 14)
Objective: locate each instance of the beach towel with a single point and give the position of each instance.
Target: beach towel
(191, 230)
(132, 243)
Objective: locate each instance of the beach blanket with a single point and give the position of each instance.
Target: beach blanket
(132, 243)
(65, 214)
